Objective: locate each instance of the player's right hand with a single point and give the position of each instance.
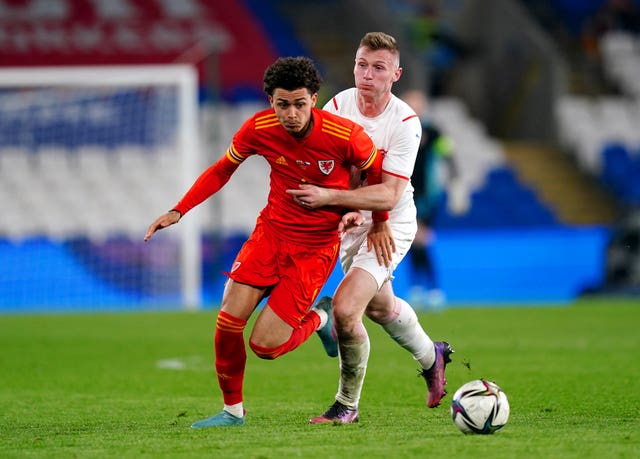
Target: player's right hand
(161, 222)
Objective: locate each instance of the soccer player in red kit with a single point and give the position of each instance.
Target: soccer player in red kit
(293, 249)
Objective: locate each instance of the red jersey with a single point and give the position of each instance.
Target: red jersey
(323, 158)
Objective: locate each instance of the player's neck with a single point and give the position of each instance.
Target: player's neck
(306, 131)
(371, 106)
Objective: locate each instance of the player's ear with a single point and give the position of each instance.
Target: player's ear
(271, 101)
(397, 74)
(314, 99)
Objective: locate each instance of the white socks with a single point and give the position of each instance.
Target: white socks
(323, 317)
(353, 367)
(237, 410)
(408, 333)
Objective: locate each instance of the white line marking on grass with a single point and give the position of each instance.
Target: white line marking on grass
(190, 363)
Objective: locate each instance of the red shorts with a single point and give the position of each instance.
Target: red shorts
(294, 273)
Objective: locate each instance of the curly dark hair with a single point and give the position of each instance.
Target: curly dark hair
(292, 73)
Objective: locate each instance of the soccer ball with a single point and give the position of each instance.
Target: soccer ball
(479, 407)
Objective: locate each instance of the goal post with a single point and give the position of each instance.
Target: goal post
(89, 156)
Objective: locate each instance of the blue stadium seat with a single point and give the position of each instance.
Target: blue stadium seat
(620, 172)
(502, 202)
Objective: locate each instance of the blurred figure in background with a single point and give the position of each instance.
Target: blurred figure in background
(435, 149)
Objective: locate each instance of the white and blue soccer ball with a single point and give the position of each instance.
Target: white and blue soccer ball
(479, 407)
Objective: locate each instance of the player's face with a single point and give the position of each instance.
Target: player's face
(375, 71)
(293, 109)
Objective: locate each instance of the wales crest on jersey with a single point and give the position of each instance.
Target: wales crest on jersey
(326, 166)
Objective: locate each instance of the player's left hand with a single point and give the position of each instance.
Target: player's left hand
(381, 240)
(310, 196)
(349, 221)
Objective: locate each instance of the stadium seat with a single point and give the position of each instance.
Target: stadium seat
(16, 164)
(621, 59)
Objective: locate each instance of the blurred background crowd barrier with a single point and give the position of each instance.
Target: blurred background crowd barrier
(109, 110)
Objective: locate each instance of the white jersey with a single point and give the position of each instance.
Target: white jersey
(396, 132)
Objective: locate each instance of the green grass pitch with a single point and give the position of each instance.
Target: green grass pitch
(129, 385)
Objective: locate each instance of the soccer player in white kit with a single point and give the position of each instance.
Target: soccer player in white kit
(366, 287)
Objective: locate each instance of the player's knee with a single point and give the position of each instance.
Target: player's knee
(381, 310)
(344, 309)
(267, 352)
(262, 352)
(379, 316)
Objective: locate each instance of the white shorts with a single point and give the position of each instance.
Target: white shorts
(354, 253)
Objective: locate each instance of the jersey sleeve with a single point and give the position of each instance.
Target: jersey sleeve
(365, 156)
(209, 182)
(370, 163)
(401, 157)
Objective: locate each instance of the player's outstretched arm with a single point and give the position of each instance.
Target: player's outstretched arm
(168, 219)
(209, 182)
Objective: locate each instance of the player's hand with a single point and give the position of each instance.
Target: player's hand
(310, 196)
(349, 221)
(381, 240)
(161, 222)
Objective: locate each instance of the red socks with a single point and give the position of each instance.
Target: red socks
(231, 356)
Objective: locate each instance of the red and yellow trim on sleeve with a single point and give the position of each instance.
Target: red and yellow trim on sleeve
(266, 121)
(233, 156)
(369, 161)
(335, 129)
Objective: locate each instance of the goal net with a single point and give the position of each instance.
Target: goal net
(89, 157)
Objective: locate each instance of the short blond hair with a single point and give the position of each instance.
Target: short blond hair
(380, 40)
